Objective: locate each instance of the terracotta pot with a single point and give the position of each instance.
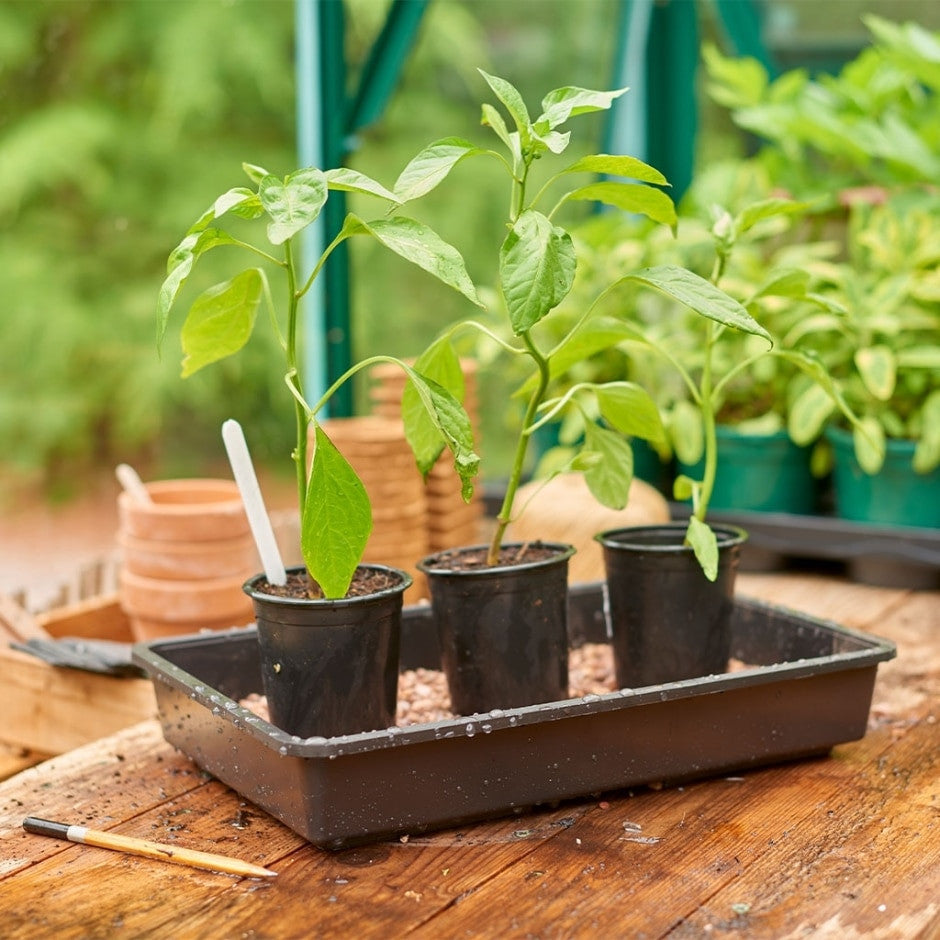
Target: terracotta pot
(184, 558)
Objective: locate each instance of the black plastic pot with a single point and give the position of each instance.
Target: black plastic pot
(503, 630)
(667, 621)
(330, 667)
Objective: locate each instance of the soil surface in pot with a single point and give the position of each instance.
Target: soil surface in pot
(300, 585)
(470, 559)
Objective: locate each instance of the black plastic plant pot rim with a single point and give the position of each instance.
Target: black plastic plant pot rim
(667, 538)
(404, 582)
(429, 564)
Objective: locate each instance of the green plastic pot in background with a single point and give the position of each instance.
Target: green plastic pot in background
(896, 495)
(760, 473)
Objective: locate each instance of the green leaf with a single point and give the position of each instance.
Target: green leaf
(255, 173)
(352, 181)
(292, 203)
(337, 519)
(615, 165)
(536, 269)
(927, 449)
(221, 319)
(688, 435)
(563, 103)
(452, 423)
(512, 101)
(243, 202)
(631, 197)
(788, 283)
(608, 479)
(878, 369)
(630, 409)
(419, 244)
(439, 363)
(432, 165)
(179, 267)
(701, 296)
(808, 415)
(683, 487)
(492, 118)
(705, 545)
(768, 209)
(869, 440)
(919, 357)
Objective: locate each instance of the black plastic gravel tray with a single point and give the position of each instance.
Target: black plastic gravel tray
(807, 687)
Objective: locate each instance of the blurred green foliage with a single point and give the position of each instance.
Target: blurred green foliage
(119, 122)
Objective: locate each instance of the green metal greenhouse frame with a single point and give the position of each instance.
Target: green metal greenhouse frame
(657, 55)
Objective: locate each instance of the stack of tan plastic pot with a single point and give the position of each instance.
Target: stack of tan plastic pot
(450, 521)
(377, 450)
(185, 554)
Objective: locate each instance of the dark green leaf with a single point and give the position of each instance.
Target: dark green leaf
(337, 519)
(701, 296)
(421, 245)
(536, 269)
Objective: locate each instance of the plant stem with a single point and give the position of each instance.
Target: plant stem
(522, 446)
(707, 405)
(293, 376)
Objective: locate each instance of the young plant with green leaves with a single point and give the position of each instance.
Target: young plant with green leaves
(876, 329)
(336, 516)
(536, 269)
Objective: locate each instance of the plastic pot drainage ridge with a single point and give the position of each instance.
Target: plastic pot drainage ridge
(807, 687)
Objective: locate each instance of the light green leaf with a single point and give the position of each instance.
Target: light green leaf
(808, 415)
(492, 118)
(563, 103)
(919, 357)
(416, 242)
(512, 100)
(705, 545)
(452, 423)
(243, 202)
(353, 181)
(536, 269)
(432, 165)
(608, 479)
(685, 429)
(179, 267)
(878, 369)
(927, 449)
(787, 283)
(630, 409)
(255, 173)
(768, 209)
(614, 165)
(869, 440)
(337, 519)
(683, 487)
(221, 319)
(439, 363)
(292, 203)
(631, 197)
(701, 296)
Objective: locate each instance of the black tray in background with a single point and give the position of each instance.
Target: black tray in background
(808, 687)
(885, 555)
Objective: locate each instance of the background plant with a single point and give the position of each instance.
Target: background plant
(876, 328)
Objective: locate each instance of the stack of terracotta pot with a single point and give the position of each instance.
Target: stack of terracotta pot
(450, 521)
(185, 554)
(377, 450)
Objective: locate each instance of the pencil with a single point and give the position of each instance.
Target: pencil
(166, 853)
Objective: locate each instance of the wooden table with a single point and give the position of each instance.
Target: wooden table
(845, 846)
